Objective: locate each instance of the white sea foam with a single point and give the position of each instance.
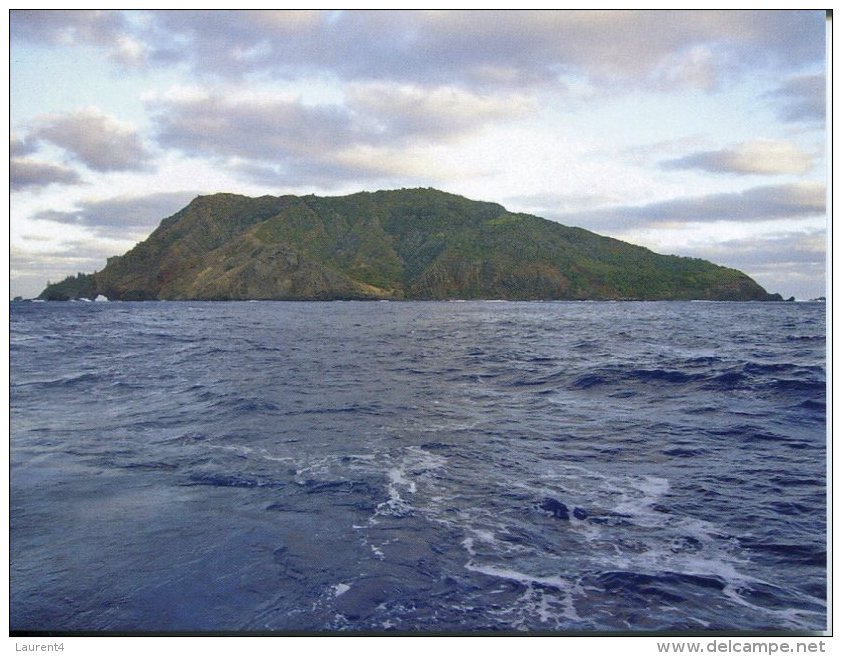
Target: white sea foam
(550, 599)
(340, 589)
(642, 493)
(278, 458)
(396, 505)
(485, 536)
(792, 618)
(236, 448)
(639, 537)
(397, 477)
(518, 577)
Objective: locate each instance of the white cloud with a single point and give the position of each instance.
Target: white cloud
(175, 93)
(420, 164)
(442, 111)
(129, 51)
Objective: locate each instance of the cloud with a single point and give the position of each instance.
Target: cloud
(478, 49)
(755, 204)
(25, 173)
(31, 269)
(72, 254)
(357, 163)
(551, 204)
(107, 29)
(789, 262)
(96, 140)
(761, 156)
(19, 147)
(122, 214)
(379, 132)
(792, 248)
(381, 165)
(271, 130)
(439, 112)
(527, 47)
(801, 99)
(65, 26)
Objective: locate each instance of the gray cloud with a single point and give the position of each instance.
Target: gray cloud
(19, 147)
(763, 156)
(107, 29)
(96, 140)
(375, 135)
(502, 48)
(25, 173)
(755, 204)
(324, 174)
(476, 48)
(271, 130)
(551, 204)
(62, 26)
(115, 217)
(75, 253)
(801, 99)
(382, 166)
(791, 249)
(792, 263)
(30, 271)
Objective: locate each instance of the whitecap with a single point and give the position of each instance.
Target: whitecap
(340, 589)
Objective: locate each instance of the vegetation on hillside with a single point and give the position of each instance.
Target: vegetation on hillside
(405, 244)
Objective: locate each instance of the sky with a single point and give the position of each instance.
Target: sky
(694, 133)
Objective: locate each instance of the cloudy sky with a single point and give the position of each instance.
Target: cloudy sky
(692, 133)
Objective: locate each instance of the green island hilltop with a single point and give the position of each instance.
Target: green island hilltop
(405, 244)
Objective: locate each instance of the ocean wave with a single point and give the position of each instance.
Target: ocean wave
(542, 467)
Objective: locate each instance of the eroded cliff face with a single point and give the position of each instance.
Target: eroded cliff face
(405, 244)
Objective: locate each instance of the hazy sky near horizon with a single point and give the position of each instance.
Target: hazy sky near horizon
(690, 132)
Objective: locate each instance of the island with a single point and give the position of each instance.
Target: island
(413, 244)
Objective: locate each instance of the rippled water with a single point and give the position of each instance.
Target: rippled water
(434, 467)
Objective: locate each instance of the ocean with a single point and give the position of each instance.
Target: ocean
(418, 467)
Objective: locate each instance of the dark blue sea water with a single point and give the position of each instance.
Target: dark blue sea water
(422, 467)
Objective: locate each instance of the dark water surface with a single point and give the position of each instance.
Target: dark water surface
(473, 466)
